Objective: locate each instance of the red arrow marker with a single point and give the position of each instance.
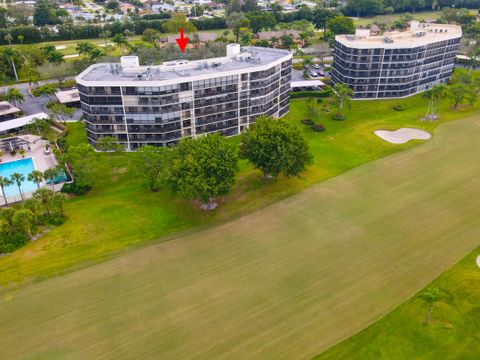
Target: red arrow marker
(182, 41)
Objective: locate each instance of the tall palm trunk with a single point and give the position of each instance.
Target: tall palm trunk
(20, 190)
(4, 195)
(427, 319)
(14, 68)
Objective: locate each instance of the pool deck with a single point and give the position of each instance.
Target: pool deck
(41, 161)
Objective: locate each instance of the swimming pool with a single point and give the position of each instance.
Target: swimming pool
(22, 166)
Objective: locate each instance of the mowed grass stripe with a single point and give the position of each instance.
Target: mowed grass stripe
(285, 282)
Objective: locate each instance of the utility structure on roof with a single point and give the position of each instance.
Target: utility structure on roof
(158, 105)
(396, 64)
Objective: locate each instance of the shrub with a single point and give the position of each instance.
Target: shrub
(318, 128)
(312, 94)
(53, 219)
(73, 188)
(338, 117)
(308, 122)
(399, 107)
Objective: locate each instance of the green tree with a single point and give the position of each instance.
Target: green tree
(84, 47)
(23, 222)
(8, 38)
(105, 35)
(4, 182)
(11, 55)
(430, 296)
(88, 167)
(342, 94)
(457, 94)
(50, 175)
(58, 201)
(18, 179)
(112, 5)
(434, 94)
(7, 215)
(36, 176)
(203, 169)
(236, 21)
(55, 57)
(365, 7)
(13, 94)
(341, 25)
(260, 20)
(151, 36)
(44, 195)
(321, 17)
(61, 112)
(121, 41)
(275, 147)
(177, 22)
(35, 206)
(149, 163)
(45, 13)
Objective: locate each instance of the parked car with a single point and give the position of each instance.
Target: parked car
(313, 74)
(320, 73)
(316, 66)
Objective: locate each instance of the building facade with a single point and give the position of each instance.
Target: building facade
(396, 64)
(159, 105)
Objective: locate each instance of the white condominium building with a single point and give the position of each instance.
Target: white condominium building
(396, 64)
(158, 105)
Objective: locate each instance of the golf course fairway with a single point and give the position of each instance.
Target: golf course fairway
(285, 282)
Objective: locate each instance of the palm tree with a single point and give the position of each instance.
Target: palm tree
(8, 38)
(430, 296)
(11, 54)
(58, 200)
(434, 94)
(44, 195)
(84, 47)
(51, 174)
(14, 95)
(7, 214)
(48, 49)
(120, 40)
(34, 206)
(18, 179)
(4, 182)
(105, 35)
(94, 55)
(55, 57)
(342, 94)
(35, 176)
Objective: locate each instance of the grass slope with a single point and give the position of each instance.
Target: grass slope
(453, 333)
(284, 282)
(123, 214)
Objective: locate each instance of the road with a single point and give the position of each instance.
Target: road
(33, 105)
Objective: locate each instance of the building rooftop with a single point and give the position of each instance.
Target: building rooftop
(19, 122)
(237, 61)
(416, 35)
(68, 96)
(7, 108)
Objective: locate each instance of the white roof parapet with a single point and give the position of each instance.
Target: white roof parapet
(417, 35)
(249, 59)
(19, 122)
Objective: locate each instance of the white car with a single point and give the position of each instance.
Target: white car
(316, 66)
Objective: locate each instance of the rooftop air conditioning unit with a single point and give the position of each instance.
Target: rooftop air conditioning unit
(387, 40)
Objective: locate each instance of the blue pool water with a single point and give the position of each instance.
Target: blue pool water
(22, 166)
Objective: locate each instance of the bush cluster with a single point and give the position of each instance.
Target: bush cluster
(318, 128)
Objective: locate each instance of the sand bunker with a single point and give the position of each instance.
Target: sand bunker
(60, 47)
(402, 135)
(71, 56)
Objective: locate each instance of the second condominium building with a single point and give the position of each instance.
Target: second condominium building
(158, 105)
(396, 64)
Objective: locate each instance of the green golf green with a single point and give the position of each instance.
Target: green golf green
(287, 281)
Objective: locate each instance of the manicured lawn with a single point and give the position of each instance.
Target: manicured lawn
(123, 214)
(453, 333)
(283, 282)
(388, 19)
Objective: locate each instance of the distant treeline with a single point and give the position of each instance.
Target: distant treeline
(32, 34)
